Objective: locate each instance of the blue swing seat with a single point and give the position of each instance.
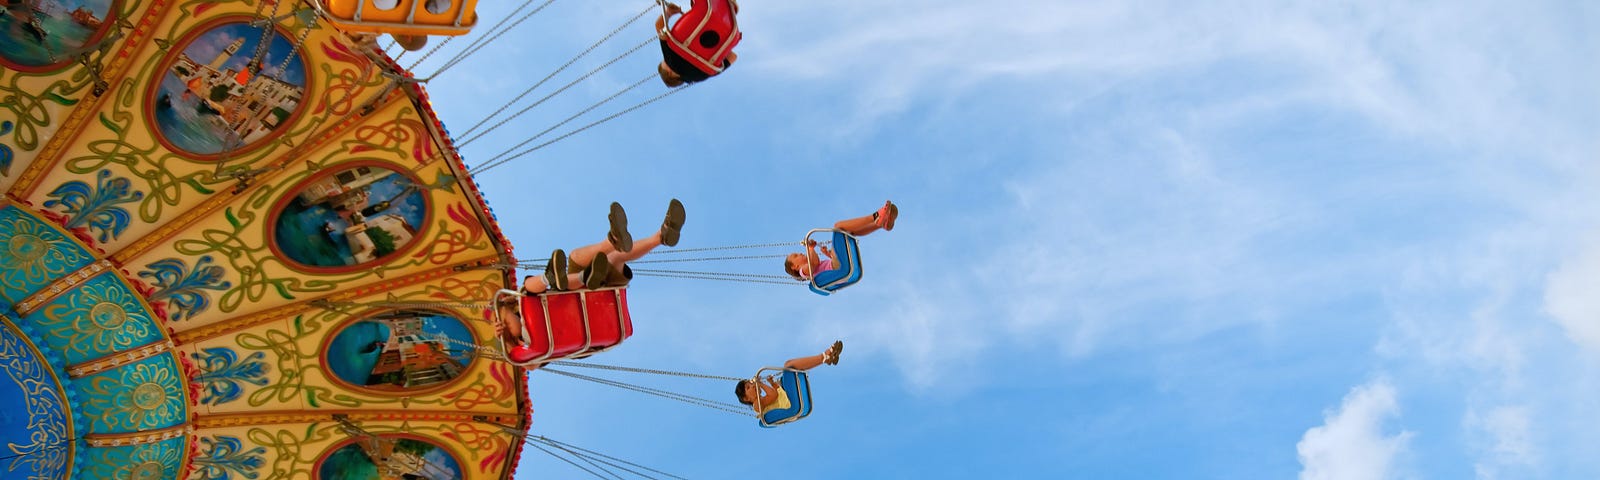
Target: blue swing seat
(797, 390)
(847, 273)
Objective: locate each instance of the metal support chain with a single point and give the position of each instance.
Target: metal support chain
(308, 17)
(758, 276)
(436, 48)
(570, 447)
(564, 459)
(711, 404)
(598, 366)
(554, 73)
(563, 88)
(719, 276)
(480, 350)
(711, 259)
(729, 247)
(330, 305)
(267, 24)
(596, 122)
(591, 457)
(789, 282)
(478, 45)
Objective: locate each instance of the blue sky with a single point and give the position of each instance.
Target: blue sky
(1159, 239)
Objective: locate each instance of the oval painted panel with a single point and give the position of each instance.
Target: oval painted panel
(38, 35)
(224, 91)
(399, 351)
(389, 457)
(351, 216)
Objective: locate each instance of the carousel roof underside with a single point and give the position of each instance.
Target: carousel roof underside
(237, 251)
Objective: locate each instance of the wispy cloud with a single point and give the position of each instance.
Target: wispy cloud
(1352, 443)
(1508, 438)
(1573, 299)
(1188, 218)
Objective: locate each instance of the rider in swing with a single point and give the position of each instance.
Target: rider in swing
(700, 43)
(770, 395)
(598, 265)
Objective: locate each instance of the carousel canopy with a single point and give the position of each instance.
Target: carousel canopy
(237, 245)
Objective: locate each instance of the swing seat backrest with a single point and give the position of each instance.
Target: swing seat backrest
(846, 273)
(564, 325)
(403, 17)
(705, 35)
(797, 389)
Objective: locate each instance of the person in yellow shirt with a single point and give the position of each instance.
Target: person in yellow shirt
(763, 396)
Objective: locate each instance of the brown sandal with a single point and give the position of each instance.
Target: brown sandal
(618, 235)
(831, 355)
(672, 224)
(595, 275)
(555, 272)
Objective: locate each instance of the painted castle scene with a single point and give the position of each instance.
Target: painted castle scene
(37, 33)
(400, 350)
(389, 458)
(350, 217)
(225, 91)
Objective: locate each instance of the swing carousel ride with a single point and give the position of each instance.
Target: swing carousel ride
(238, 244)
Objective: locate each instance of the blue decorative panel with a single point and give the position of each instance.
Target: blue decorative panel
(152, 461)
(98, 318)
(34, 253)
(35, 424)
(184, 290)
(222, 373)
(145, 395)
(96, 207)
(224, 458)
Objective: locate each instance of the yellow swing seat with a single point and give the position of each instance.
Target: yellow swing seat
(403, 17)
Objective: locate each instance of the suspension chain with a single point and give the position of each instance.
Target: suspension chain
(598, 366)
(547, 97)
(547, 78)
(602, 455)
(478, 45)
(729, 247)
(712, 404)
(711, 259)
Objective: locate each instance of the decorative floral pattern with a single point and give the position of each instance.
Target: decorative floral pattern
(223, 456)
(182, 289)
(47, 420)
(98, 318)
(33, 253)
(143, 396)
(221, 268)
(138, 462)
(221, 372)
(95, 207)
(32, 106)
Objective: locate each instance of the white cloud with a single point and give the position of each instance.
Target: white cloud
(1572, 296)
(1351, 444)
(1509, 440)
(1152, 205)
(1459, 73)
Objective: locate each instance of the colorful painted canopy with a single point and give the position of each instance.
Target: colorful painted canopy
(236, 251)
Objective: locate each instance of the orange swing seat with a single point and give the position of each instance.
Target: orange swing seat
(403, 17)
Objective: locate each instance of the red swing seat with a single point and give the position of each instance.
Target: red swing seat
(566, 325)
(706, 34)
